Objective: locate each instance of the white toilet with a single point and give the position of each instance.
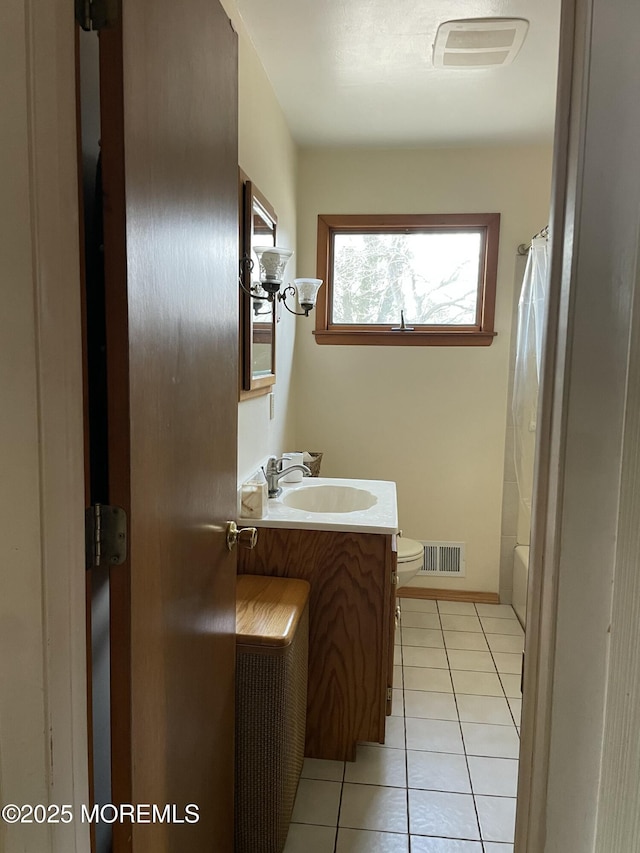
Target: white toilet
(410, 559)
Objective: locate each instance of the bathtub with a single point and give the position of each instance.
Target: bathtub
(520, 579)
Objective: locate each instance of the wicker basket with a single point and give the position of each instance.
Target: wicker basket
(314, 464)
(271, 697)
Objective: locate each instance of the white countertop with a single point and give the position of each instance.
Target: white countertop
(382, 517)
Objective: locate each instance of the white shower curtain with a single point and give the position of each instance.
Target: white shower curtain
(529, 343)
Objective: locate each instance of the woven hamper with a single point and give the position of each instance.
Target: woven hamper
(272, 642)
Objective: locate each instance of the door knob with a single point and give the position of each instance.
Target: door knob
(245, 536)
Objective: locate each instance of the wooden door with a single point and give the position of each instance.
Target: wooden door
(168, 76)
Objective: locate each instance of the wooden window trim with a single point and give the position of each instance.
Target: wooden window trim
(481, 334)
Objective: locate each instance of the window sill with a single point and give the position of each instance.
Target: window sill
(361, 337)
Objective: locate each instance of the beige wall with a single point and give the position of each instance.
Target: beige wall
(430, 418)
(268, 156)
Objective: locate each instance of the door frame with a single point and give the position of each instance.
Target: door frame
(52, 188)
(53, 193)
(577, 545)
(546, 517)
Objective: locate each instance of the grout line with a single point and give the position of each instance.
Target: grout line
(335, 840)
(404, 726)
(404, 723)
(466, 757)
(484, 633)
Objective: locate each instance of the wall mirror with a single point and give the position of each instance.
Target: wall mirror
(257, 318)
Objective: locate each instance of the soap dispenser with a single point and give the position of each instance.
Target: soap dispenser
(254, 497)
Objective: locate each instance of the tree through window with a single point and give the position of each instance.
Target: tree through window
(439, 271)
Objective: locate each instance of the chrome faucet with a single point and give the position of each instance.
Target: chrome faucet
(275, 470)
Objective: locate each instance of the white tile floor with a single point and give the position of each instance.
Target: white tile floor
(445, 780)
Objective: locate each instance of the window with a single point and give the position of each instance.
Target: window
(438, 270)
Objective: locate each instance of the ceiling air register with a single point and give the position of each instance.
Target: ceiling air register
(479, 42)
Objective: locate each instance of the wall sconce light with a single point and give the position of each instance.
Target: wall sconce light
(272, 261)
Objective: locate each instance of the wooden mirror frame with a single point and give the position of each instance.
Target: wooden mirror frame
(250, 386)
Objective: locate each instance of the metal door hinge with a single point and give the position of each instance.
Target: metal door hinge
(389, 694)
(105, 536)
(394, 578)
(97, 14)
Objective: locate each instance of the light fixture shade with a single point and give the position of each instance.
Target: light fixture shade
(307, 291)
(272, 262)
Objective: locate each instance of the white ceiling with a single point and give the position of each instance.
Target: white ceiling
(360, 72)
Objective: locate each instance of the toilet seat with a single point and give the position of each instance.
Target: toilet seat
(410, 559)
(409, 549)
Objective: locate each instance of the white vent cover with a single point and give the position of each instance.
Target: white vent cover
(444, 559)
(478, 42)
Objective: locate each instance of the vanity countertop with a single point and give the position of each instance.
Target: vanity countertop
(380, 517)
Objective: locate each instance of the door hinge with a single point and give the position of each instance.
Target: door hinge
(97, 14)
(389, 694)
(394, 578)
(105, 536)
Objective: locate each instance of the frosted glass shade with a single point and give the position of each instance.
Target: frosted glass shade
(272, 262)
(307, 291)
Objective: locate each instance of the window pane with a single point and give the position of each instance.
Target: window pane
(432, 276)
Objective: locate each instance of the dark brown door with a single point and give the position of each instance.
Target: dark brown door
(168, 78)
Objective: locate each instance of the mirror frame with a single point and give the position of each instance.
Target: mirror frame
(251, 386)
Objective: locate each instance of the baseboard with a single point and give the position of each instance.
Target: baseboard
(449, 595)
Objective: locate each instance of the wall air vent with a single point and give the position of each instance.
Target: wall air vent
(478, 42)
(444, 559)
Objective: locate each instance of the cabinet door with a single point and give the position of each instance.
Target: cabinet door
(350, 625)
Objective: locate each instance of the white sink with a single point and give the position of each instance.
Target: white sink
(326, 503)
(329, 499)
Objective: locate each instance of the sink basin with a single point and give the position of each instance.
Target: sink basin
(329, 499)
(330, 503)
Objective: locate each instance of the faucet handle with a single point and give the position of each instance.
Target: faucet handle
(280, 463)
(266, 469)
(272, 465)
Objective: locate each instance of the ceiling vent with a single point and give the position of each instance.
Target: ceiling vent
(478, 42)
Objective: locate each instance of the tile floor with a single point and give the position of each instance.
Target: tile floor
(445, 780)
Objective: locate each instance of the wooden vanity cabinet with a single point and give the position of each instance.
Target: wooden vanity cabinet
(351, 628)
